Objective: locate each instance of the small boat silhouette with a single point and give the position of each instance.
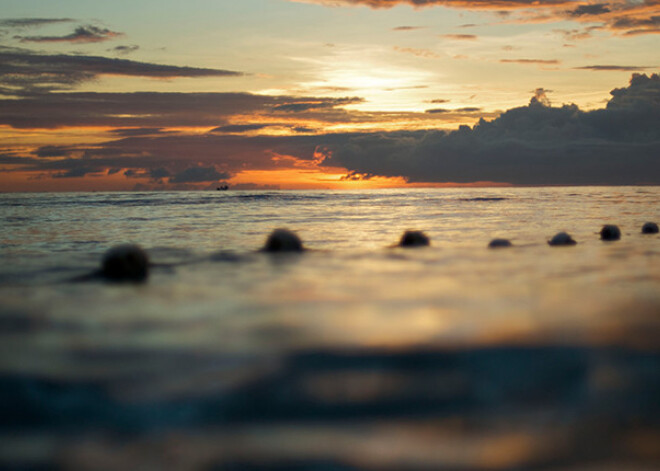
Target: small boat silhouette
(222, 188)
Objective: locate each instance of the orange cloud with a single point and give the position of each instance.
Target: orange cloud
(629, 18)
(426, 53)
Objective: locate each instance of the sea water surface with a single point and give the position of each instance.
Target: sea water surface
(354, 355)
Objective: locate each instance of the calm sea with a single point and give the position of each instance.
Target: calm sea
(351, 356)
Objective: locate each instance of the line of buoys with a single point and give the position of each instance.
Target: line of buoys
(130, 263)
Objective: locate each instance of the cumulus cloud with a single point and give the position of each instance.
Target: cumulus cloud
(536, 144)
(643, 93)
(82, 34)
(540, 97)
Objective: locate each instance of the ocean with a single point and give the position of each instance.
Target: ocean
(353, 355)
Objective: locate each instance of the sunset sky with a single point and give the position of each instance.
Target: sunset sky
(163, 95)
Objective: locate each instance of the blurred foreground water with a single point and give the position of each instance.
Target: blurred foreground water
(351, 356)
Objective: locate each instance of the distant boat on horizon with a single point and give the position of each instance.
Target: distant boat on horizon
(222, 188)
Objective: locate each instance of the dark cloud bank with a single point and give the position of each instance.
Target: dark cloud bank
(535, 144)
(532, 145)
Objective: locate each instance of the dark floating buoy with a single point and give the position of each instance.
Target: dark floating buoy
(650, 228)
(499, 243)
(414, 239)
(610, 232)
(125, 263)
(283, 240)
(562, 238)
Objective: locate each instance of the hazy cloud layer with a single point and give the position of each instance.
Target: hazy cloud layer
(149, 109)
(24, 71)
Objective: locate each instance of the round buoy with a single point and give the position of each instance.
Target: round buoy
(562, 238)
(283, 240)
(414, 239)
(499, 243)
(126, 262)
(650, 228)
(610, 232)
